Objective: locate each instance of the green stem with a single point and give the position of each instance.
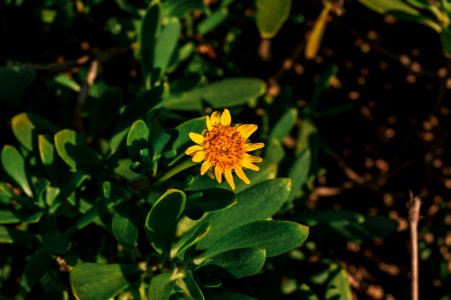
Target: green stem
(179, 168)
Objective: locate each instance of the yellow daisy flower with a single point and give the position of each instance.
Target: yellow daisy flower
(223, 147)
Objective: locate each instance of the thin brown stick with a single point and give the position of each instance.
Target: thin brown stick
(91, 76)
(414, 216)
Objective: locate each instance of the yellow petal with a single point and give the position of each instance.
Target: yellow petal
(228, 176)
(209, 127)
(197, 138)
(193, 149)
(252, 147)
(215, 118)
(251, 158)
(205, 166)
(246, 130)
(248, 165)
(226, 119)
(241, 175)
(218, 174)
(199, 156)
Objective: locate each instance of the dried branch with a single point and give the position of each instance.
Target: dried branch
(414, 215)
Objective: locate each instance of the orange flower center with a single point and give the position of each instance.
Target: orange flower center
(224, 147)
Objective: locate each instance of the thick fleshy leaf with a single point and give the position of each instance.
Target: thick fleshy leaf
(14, 81)
(237, 262)
(161, 286)
(299, 172)
(26, 127)
(338, 287)
(145, 105)
(276, 237)
(75, 152)
(105, 110)
(149, 30)
(213, 21)
(257, 203)
(54, 166)
(284, 125)
(225, 93)
(12, 217)
(137, 139)
(166, 44)
(193, 287)
(36, 267)
(344, 225)
(100, 281)
(14, 165)
(12, 236)
(55, 241)
(162, 220)
(124, 227)
(316, 35)
(223, 293)
(194, 125)
(271, 15)
(201, 231)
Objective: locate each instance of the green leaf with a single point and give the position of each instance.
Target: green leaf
(161, 286)
(105, 110)
(204, 182)
(55, 241)
(214, 200)
(166, 44)
(276, 237)
(223, 293)
(388, 6)
(75, 152)
(338, 286)
(100, 281)
(284, 125)
(159, 139)
(137, 140)
(12, 236)
(306, 293)
(14, 166)
(67, 189)
(162, 220)
(271, 15)
(256, 203)
(54, 166)
(180, 9)
(274, 152)
(345, 225)
(323, 84)
(146, 103)
(224, 93)
(149, 30)
(196, 125)
(213, 21)
(237, 262)
(37, 266)
(14, 81)
(26, 126)
(12, 217)
(124, 227)
(299, 172)
(201, 231)
(193, 287)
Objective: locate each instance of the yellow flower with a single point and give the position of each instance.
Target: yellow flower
(223, 147)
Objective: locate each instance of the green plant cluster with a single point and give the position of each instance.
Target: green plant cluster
(97, 197)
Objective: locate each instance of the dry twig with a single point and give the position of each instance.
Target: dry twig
(414, 215)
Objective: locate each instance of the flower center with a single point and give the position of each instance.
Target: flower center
(224, 147)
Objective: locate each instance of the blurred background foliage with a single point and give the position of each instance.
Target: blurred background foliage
(96, 101)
